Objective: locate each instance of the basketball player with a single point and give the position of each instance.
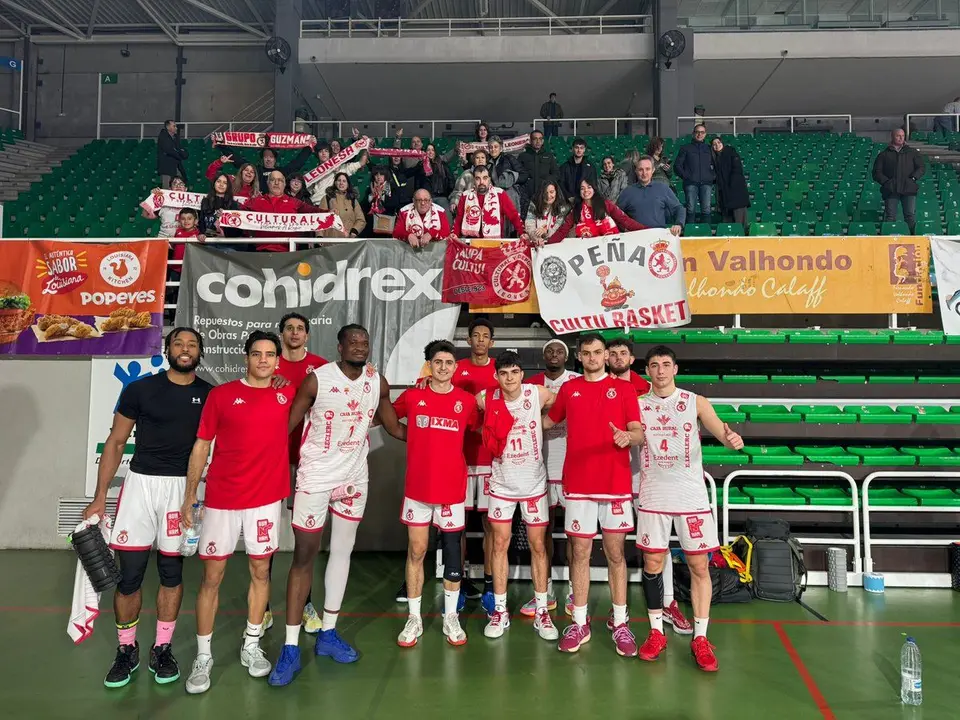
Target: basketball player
(519, 477)
(621, 360)
(341, 399)
(438, 415)
(603, 423)
(246, 483)
(554, 450)
(295, 364)
(165, 409)
(673, 495)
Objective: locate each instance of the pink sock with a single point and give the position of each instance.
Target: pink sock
(165, 631)
(127, 635)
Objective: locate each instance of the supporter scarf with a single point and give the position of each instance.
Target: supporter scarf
(417, 225)
(589, 227)
(278, 222)
(486, 219)
(401, 152)
(348, 153)
(509, 146)
(276, 140)
(378, 193)
(176, 199)
(497, 424)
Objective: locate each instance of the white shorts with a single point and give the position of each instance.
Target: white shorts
(148, 512)
(478, 488)
(582, 517)
(447, 518)
(221, 531)
(697, 531)
(534, 511)
(555, 493)
(310, 508)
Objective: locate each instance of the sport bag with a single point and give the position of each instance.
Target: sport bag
(777, 568)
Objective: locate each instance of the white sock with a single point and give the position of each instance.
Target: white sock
(668, 580)
(500, 601)
(580, 614)
(450, 599)
(293, 635)
(550, 587)
(329, 620)
(619, 615)
(656, 619)
(700, 626)
(541, 600)
(252, 635)
(413, 605)
(203, 644)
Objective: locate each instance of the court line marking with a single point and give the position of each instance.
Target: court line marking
(805, 675)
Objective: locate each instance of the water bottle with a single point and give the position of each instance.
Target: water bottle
(911, 666)
(190, 540)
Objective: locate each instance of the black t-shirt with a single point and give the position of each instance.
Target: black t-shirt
(167, 416)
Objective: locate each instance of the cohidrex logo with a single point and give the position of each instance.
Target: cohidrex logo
(345, 284)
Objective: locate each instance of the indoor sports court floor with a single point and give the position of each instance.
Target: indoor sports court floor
(776, 660)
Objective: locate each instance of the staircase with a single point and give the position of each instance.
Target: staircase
(937, 153)
(23, 163)
(254, 116)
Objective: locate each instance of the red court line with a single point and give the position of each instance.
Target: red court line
(804, 673)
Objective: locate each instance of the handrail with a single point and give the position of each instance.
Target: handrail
(472, 27)
(348, 124)
(616, 123)
(955, 116)
(216, 124)
(793, 126)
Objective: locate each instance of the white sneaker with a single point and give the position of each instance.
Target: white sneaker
(411, 632)
(453, 631)
(199, 679)
(544, 626)
(267, 620)
(312, 623)
(499, 622)
(255, 661)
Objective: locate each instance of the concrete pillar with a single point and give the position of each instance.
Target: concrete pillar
(673, 87)
(31, 55)
(287, 26)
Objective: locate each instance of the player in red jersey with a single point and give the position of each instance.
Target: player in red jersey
(438, 417)
(246, 483)
(620, 364)
(295, 364)
(603, 423)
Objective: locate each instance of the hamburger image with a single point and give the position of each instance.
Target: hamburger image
(16, 312)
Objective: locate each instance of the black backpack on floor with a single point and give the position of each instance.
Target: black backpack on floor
(779, 573)
(727, 587)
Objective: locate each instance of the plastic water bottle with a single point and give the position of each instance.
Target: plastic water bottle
(190, 540)
(911, 667)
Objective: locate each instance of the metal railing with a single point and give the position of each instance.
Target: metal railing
(475, 27)
(615, 126)
(955, 116)
(794, 122)
(344, 128)
(149, 130)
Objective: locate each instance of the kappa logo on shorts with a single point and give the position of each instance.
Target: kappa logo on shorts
(703, 546)
(211, 548)
(173, 524)
(645, 539)
(449, 524)
(616, 507)
(311, 521)
(575, 526)
(611, 394)
(445, 511)
(694, 523)
(536, 519)
(409, 514)
(268, 548)
(346, 511)
(122, 537)
(264, 527)
(532, 506)
(624, 524)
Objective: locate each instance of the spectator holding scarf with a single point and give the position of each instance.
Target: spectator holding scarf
(422, 221)
(268, 163)
(592, 216)
(341, 199)
(465, 181)
(169, 216)
(438, 181)
(506, 173)
(484, 211)
(546, 213)
(219, 198)
(276, 201)
(318, 191)
(377, 198)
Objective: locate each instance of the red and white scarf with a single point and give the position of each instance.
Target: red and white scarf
(589, 226)
(403, 153)
(279, 222)
(176, 199)
(276, 140)
(348, 153)
(486, 219)
(509, 146)
(417, 225)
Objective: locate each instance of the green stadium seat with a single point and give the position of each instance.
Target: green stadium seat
(827, 454)
(729, 230)
(890, 379)
(889, 497)
(743, 379)
(877, 415)
(918, 337)
(657, 337)
(696, 378)
(933, 456)
(862, 228)
(772, 455)
(932, 496)
(729, 414)
(758, 337)
(764, 229)
(813, 337)
(770, 414)
(773, 495)
(865, 337)
(708, 336)
(719, 455)
(930, 414)
(697, 230)
(824, 414)
(825, 495)
(894, 228)
(793, 379)
(883, 456)
(938, 379)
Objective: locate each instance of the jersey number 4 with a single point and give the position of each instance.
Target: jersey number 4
(663, 445)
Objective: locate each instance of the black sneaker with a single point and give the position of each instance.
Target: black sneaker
(469, 589)
(125, 664)
(402, 593)
(163, 664)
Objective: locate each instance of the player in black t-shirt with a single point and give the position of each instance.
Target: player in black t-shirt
(165, 409)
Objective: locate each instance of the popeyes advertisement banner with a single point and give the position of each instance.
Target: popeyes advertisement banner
(74, 298)
(634, 280)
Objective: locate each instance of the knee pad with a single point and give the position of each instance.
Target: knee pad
(170, 568)
(133, 565)
(450, 549)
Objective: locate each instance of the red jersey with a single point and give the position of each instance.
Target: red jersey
(249, 425)
(594, 467)
(436, 425)
(296, 372)
(473, 379)
(639, 383)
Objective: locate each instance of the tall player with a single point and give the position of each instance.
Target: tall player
(342, 399)
(165, 409)
(603, 423)
(554, 450)
(438, 416)
(673, 495)
(512, 415)
(295, 364)
(246, 483)
(620, 363)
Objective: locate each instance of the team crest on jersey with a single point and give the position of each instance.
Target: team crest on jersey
(173, 524)
(353, 405)
(687, 427)
(310, 369)
(410, 515)
(527, 405)
(329, 415)
(611, 394)
(458, 407)
(122, 537)
(644, 539)
(371, 371)
(575, 526)
(281, 398)
(370, 413)
(533, 425)
(681, 406)
(211, 548)
(423, 421)
(663, 419)
(311, 521)
(366, 387)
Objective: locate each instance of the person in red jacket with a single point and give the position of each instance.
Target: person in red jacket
(592, 216)
(277, 201)
(421, 221)
(484, 211)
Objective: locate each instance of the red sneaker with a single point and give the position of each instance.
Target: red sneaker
(703, 653)
(573, 637)
(655, 644)
(673, 615)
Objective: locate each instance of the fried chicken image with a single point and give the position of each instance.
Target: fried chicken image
(113, 323)
(123, 313)
(56, 331)
(140, 320)
(47, 320)
(81, 330)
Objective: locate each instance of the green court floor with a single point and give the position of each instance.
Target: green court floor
(776, 660)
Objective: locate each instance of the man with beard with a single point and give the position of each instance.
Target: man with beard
(484, 211)
(165, 409)
(342, 399)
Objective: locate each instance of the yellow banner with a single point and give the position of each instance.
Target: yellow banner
(797, 276)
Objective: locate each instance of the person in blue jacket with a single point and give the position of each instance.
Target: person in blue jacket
(694, 165)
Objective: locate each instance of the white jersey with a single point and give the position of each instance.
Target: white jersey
(555, 439)
(671, 461)
(334, 446)
(520, 473)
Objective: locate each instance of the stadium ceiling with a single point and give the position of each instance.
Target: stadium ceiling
(244, 22)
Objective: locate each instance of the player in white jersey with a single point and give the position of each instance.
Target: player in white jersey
(513, 433)
(339, 400)
(554, 451)
(673, 494)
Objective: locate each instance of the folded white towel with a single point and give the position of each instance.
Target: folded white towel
(86, 601)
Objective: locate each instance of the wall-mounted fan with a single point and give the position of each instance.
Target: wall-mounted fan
(671, 45)
(278, 52)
